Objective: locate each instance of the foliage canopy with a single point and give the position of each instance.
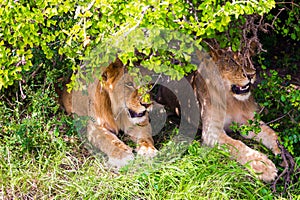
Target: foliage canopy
(61, 33)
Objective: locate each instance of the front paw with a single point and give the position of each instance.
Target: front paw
(146, 151)
(265, 168)
(120, 158)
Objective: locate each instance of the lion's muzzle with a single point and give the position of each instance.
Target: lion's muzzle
(241, 89)
(134, 114)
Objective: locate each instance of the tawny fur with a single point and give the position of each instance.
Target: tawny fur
(219, 107)
(107, 103)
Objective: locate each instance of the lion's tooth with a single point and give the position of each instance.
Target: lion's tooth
(245, 87)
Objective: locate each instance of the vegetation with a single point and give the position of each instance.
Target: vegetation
(41, 154)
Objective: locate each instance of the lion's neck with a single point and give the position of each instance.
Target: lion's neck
(239, 111)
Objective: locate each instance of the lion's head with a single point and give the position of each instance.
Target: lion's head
(124, 94)
(237, 77)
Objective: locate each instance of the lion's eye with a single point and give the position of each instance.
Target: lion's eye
(129, 84)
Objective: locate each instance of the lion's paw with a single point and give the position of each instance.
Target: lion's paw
(146, 151)
(264, 167)
(121, 160)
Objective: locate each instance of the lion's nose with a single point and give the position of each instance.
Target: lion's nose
(250, 76)
(146, 105)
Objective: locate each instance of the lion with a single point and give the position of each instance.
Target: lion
(113, 104)
(222, 86)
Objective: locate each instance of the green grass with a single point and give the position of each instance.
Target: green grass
(71, 173)
(41, 157)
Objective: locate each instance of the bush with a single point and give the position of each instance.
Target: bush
(61, 33)
(281, 102)
(33, 124)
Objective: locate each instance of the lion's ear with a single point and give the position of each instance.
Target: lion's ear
(104, 76)
(118, 63)
(113, 70)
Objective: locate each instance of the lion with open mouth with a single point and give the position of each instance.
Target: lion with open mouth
(113, 104)
(222, 86)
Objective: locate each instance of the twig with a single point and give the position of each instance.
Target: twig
(290, 2)
(289, 169)
(138, 22)
(280, 11)
(34, 73)
(23, 96)
(89, 6)
(288, 113)
(279, 118)
(155, 83)
(193, 10)
(7, 100)
(261, 110)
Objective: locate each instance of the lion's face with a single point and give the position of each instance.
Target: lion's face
(126, 92)
(125, 97)
(237, 79)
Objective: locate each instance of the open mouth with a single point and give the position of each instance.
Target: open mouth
(241, 89)
(134, 114)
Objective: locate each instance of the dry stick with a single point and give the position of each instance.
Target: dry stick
(284, 171)
(288, 113)
(21, 91)
(289, 168)
(291, 2)
(275, 18)
(193, 10)
(37, 69)
(277, 119)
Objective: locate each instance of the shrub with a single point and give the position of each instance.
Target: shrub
(61, 33)
(281, 101)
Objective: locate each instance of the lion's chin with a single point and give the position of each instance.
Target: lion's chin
(242, 97)
(137, 117)
(134, 114)
(138, 120)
